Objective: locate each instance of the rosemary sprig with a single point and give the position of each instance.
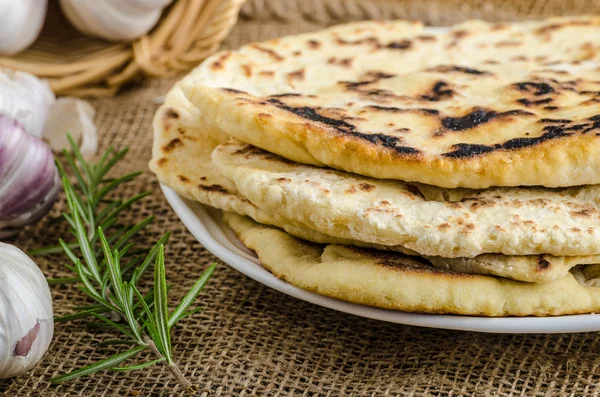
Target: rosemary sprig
(107, 269)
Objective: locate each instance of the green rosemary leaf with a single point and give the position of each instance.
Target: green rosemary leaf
(99, 326)
(103, 255)
(123, 252)
(78, 177)
(114, 325)
(110, 187)
(70, 221)
(132, 264)
(78, 315)
(102, 161)
(62, 280)
(102, 215)
(72, 257)
(161, 315)
(84, 244)
(128, 308)
(132, 232)
(54, 249)
(67, 250)
(61, 170)
(185, 314)
(108, 166)
(143, 302)
(88, 307)
(108, 224)
(116, 235)
(128, 204)
(118, 288)
(191, 296)
(114, 271)
(149, 259)
(82, 163)
(104, 285)
(154, 335)
(100, 365)
(95, 297)
(86, 281)
(139, 366)
(70, 267)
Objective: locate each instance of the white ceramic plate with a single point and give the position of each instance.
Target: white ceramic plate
(205, 224)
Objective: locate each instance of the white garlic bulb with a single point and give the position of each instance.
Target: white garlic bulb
(30, 101)
(20, 23)
(25, 98)
(114, 20)
(26, 322)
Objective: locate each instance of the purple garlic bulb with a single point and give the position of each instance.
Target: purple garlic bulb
(29, 180)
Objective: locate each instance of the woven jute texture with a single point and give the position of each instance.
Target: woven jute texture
(253, 341)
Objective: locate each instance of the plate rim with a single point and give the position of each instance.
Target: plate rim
(213, 236)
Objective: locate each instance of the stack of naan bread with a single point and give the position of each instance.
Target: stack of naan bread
(387, 164)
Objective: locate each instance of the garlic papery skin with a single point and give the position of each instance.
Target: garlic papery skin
(26, 322)
(20, 24)
(114, 20)
(29, 182)
(76, 117)
(30, 101)
(25, 98)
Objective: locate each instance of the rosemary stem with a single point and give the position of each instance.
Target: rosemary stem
(175, 371)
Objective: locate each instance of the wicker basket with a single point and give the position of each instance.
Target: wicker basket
(79, 65)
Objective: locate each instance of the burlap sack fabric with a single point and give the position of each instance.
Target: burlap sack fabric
(251, 340)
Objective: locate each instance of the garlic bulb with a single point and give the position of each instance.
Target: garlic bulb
(30, 100)
(29, 181)
(114, 20)
(26, 323)
(77, 117)
(25, 98)
(20, 23)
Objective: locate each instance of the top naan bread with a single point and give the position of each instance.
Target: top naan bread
(481, 105)
(182, 160)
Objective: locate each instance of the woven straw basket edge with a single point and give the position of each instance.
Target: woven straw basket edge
(188, 32)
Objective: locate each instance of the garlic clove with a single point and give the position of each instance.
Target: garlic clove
(30, 100)
(25, 98)
(20, 24)
(76, 117)
(26, 321)
(29, 181)
(114, 20)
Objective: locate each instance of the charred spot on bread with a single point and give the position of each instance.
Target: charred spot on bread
(441, 90)
(478, 116)
(213, 188)
(173, 144)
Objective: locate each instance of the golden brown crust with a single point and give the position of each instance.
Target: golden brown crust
(444, 145)
(189, 170)
(431, 221)
(482, 105)
(393, 281)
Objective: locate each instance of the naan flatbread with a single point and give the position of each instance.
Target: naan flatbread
(511, 221)
(395, 281)
(185, 136)
(481, 105)
(182, 161)
(498, 125)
